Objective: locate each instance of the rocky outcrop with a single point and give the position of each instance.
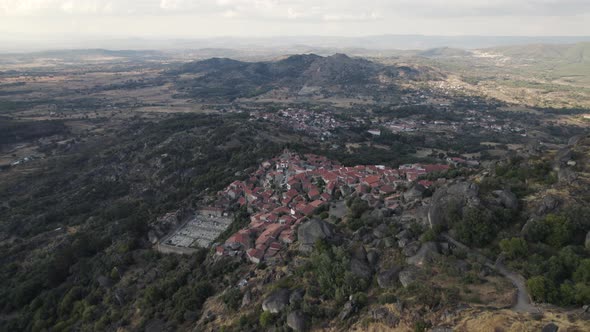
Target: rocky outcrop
(167, 222)
(246, 299)
(296, 296)
(387, 278)
(562, 157)
(575, 140)
(381, 231)
(427, 253)
(348, 310)
(416, 192)
(373, 257)
(312, 231)
(407, 277)
(383, 315)
(297, 321)
(566, 175)
(358, 251)
(548, 205)
(587, 242)
(360, 268)
(411, 249)
(507, 199)
(551, 327)
(359, 265)
(105, 282)
(276, 301)
(415, 212)
(458, 195)
(524, 231)
(388, 242)
(380, 214)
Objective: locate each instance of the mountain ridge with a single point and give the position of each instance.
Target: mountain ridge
(338, 74)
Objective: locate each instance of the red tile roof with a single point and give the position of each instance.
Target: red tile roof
(317, 203)
(386, 189)
(372, 179)
(435, 168)
(255, 255)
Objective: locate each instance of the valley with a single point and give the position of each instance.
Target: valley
(439, 190)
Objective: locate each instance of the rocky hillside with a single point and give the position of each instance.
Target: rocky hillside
(300, 74)
(495, 245)
(499, 248)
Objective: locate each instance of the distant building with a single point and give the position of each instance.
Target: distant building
(374, 132)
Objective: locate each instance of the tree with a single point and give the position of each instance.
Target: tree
(582, 273)
(476, 227)
(560, 231)
(514, 247)
(152, 295)
(331, 268)
(567, 294)
(541, 289)
(358, 207)
(232, 298)
(582, 291)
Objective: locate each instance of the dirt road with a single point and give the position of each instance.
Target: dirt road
(523, 300)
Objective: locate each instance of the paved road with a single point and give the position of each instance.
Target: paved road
(523, 300)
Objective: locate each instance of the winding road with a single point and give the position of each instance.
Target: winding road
(523, 299)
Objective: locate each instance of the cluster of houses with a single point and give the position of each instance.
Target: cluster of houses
(485, 122)
(319, 124)
(285, 190)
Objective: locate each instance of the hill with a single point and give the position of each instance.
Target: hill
(338, 74)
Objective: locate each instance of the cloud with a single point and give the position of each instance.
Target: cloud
(479, 8)
(36, 7)
(303, 10)
(371, 16)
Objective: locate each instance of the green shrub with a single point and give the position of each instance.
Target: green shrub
(476, 227)
(331, 267)
(582, 291)
(514, 247)
(428, 236)
(266, 319)
(360, 299)
(387, 298)
(582, 273)
(541, 289)
(422, 326)
(554, 230)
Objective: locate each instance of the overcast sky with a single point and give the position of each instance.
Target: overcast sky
(209, 18)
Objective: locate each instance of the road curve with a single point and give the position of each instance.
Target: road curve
(523, 300)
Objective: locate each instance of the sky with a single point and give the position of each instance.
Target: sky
(57, 19)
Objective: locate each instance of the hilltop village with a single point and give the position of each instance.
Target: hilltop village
(284, 191)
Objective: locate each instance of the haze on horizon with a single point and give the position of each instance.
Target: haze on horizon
(86, 19)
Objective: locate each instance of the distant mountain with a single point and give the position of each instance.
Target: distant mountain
(338, 74)
(289, 44)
